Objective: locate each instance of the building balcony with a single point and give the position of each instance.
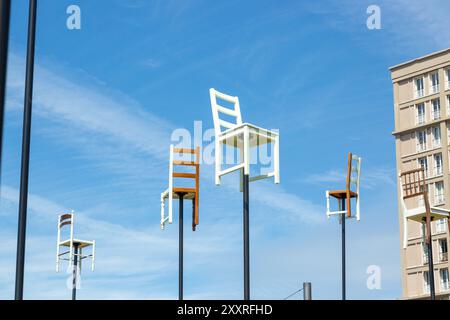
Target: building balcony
(436, 115)
(439, 199)
(434, 89)
(443, 256)
(419, 93)
(438, 171)
(420, 119)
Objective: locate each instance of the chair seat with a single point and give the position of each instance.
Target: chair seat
(189, 193)
(419, 214)
(342, 194)
(81, 243)
(236, 138)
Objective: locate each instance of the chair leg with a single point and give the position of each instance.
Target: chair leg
(276, 159)
(218, 154)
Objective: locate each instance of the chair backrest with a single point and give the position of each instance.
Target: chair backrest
(66, 219)
(218, 110)
(195, 162)
(353, 179)
(413, 184)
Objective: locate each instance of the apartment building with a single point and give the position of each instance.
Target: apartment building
(422, 139)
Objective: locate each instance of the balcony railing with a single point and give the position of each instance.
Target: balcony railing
(437, 170)
(447, 85)
(434, 89)
(436, 143)
(420, 119)
(419, 93)
(445, 285)
(421, 147)
(439, 199)
(443, 256)
(436, 114)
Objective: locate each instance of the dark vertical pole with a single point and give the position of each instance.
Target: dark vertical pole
(180, 249)
(23, 197)
(246, 239)
(5, 11)
(343, 249)
(75, 271)
(431, 270)
(307, 295)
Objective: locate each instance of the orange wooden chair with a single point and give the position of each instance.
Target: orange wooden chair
(175, 192)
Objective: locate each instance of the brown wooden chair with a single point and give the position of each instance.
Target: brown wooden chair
(175, 192)
(413, 185)
(344, 196)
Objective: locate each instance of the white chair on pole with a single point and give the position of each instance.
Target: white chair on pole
(241, 135)
(68, 244)
(244, 136)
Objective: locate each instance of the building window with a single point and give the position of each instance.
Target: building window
(444, 279)
(423, 163)
(421, 141)
(425, 252)
(437, 164)
(420, 112)
(426, 282)
(439, 192)
(434, 83)
(448, 104)
(419, 92)
(443, 252)
(436, 137)
(436, 109)
(441, 225)
(448, 78)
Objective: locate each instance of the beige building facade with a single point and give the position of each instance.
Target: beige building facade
(422, 138)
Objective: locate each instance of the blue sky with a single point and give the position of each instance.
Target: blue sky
(107, 98)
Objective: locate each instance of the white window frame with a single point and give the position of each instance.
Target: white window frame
(435, 109)
(437, 138)
(425, 254)
(448, 104)
(438, 164)
(419, 93)
(426, 282)
(439, 197)
(434, 82)
(444, 280)
(423, 163)
(447, 72)
(421, 146)
(443, 249)
(441, 226)
(420, 113)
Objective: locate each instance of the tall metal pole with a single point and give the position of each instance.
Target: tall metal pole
(429, 243)
(5, 12)
(75, 271)
(23, 197)
(343, 249)
(246, 238)
(307, 295)
(180, 248)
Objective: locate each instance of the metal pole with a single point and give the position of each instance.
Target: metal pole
(180, 249)
(246, 238)
(74, 274)
(307, 295)
(343, 249)
(429, 243)
(5, 12)
(23, 197)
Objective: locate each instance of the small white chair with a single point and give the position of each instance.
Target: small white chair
(353, 178)
(412, 185)
(68, 219)
(240, 135)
